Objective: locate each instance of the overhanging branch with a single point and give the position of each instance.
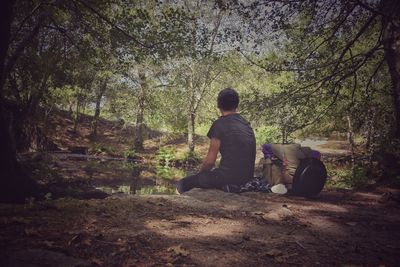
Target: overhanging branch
(107, 20)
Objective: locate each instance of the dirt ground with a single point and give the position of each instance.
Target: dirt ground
(205, 228)
(200, 227)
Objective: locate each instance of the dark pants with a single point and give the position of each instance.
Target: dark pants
(205, 179)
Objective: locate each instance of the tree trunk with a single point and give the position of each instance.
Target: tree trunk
(191, 130)
(15, 184)
(37, 97)
(351, 144)
(77, 110)
(391, 44)
(371, 129)
(69, 105)
(138, 143)
(99, 96)
(284, 135)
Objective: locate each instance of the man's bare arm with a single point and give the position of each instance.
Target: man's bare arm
(209, 161)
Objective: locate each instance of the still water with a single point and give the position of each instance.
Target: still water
(145, 190)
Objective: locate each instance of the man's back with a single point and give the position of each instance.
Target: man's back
(238, 147)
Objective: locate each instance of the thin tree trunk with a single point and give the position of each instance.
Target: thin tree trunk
(69, 105)
(77, 110)
(370, 142)
(191, 115)
(284, 135)
(351, 144)
(191, 131)
(138, 143)
(99, 96)
(371, 129)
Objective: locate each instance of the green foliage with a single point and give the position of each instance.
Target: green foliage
(129, 154)
(165, 156)
(309, 78)
(188, 157)
(170, 173)
(342, 177)
(41, 167)
(158, 189)
(203, 128)
(99, 148)
(168, 157)
(267, 134)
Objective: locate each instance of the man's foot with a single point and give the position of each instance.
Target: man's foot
(179, 188)
(279, 189)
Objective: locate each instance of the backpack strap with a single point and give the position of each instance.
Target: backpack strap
(284, 162)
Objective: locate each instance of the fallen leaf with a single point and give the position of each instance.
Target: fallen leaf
(80, 238)
(92, 221)
(31, 232)
(87, 241)
(130, 263)
(97, 261)
(75, 237)
(274, 252)
(179, 250)
(121, 242)
(49, 244)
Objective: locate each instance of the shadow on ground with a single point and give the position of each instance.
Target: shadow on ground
(204, 228)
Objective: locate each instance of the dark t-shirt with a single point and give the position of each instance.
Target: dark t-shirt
(238, 147)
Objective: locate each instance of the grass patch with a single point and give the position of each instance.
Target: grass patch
(341, 176)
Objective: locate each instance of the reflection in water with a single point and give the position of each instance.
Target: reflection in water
(146, 190)
(136, 187)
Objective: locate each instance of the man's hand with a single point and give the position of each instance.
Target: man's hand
(209, 161)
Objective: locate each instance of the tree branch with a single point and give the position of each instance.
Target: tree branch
(23, 22)
(350, 44)
(336, 28)
(371, 9)
(102, 17)
(373, 75)
(20, 48)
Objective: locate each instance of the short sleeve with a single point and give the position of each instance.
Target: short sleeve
(215, 130)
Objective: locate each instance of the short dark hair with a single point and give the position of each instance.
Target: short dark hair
(228, 99)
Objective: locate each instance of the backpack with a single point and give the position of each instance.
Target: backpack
(309, 178)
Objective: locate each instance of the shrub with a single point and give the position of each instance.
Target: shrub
(267, 134)
(98, 148)
(165, 156)
(129, 154)
(342, 177)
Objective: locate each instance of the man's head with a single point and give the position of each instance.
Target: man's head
(228, 99)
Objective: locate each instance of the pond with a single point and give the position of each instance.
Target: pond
(110, 175)
(133, 190)
(131, 178)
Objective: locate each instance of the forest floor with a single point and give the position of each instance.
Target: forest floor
(199, 228)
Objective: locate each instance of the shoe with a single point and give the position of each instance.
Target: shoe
(279, 189)
(179, 188)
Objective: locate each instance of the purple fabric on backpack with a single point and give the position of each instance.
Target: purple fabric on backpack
(266, 149)
(315, 154)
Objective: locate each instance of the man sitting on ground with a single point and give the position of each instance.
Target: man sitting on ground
(233, 137)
